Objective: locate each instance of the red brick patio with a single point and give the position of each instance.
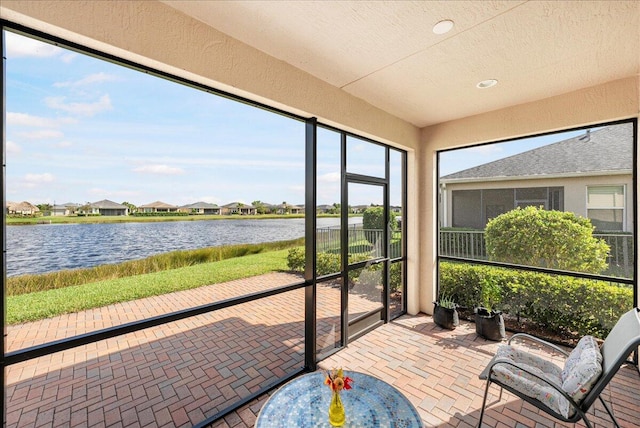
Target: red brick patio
(180, 373)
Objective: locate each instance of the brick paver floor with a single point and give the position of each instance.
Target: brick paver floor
(438, 371)
(180, 373)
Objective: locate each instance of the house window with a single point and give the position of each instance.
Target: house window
(606, 206)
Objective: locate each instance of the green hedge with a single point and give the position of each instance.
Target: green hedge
(328, 263)
(560, 304)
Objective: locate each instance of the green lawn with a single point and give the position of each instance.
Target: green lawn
(45, 304)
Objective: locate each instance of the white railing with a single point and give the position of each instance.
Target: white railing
(470, 244)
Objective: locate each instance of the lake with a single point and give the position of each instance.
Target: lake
(49, 248)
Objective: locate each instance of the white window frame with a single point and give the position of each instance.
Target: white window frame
(624, 202)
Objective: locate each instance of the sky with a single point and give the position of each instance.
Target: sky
(461, 159)
(80, 129)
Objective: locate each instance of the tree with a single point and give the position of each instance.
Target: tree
(373, 221)
(132, 208)
(551, 239)
(260, 207)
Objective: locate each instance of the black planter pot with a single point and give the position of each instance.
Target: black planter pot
(490, 324)
(445, 317)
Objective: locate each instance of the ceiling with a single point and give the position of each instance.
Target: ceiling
(386, 53)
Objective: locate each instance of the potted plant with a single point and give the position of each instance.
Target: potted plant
(445, 313)
(490, 322)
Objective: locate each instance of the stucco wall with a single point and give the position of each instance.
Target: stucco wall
(154, 34)
(614, 100)
(575, 192)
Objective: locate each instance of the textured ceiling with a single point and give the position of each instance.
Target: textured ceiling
(386, 53)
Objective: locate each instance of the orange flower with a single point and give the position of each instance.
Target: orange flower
(336, 380)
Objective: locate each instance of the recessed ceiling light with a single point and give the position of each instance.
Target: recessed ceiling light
(443, 27)
(487, 83)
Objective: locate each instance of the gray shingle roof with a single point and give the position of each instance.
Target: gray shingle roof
(201, 205)
(606, 150)
(107, 204)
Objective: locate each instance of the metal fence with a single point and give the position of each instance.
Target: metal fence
(471, 244)
(360, 241)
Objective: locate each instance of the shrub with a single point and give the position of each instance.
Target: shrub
(561, 304)
(373, 219)
(327, 263)
(551, 239)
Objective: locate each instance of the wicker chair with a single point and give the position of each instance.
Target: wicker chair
(568, 392)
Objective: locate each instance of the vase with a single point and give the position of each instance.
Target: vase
(336, 410)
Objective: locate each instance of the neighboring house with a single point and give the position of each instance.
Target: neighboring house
(590, 175)
(359, 209)
(21, 208)
(201, 208)
(60, 210)
(323, 209)
(157, 207)
(287, 209)
(104, 207)
(239, 208)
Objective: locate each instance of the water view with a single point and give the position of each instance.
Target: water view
(50, 248)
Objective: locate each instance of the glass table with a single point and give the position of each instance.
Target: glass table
(371, 403)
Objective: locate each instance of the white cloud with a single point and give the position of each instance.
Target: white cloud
(39, 178)
(83, 109)
(159, 169)
(13, 148)
(331, 177)
(24, 119)
(64, 144)
(488, 149)
(88, 80)
(42, 134)
(19, 46)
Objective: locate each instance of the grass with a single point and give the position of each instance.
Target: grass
(44, 304)
(24, 221)
(176, 259)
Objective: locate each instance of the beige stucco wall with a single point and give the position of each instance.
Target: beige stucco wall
(153, 34)
(575, 192)
(614, 100)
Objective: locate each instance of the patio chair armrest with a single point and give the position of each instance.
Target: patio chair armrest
(539, 341)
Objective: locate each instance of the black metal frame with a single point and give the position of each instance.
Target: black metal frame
(633, 282)
(310, 278)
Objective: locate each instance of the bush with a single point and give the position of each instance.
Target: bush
(373, 219)
(551, 239)
(327, 263)
(561, 304)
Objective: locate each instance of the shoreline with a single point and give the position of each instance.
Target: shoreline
(33, 221)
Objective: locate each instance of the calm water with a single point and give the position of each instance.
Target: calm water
(49, 248)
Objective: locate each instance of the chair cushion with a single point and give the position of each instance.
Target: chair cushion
(582, 368)
(522, 379)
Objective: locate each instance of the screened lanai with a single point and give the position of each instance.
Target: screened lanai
(392, 84)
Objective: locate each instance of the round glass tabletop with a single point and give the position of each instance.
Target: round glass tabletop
(371, 403)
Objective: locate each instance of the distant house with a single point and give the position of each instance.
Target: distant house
(287, 209)
(590, 175)
(104, 207)
(21, 208)
(157, 207)
(358, 209)
(202, 208)
(69, 208)
(238, 208)
(323, 209)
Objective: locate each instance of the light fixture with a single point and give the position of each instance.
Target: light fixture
(443, 26)
(487, 83)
